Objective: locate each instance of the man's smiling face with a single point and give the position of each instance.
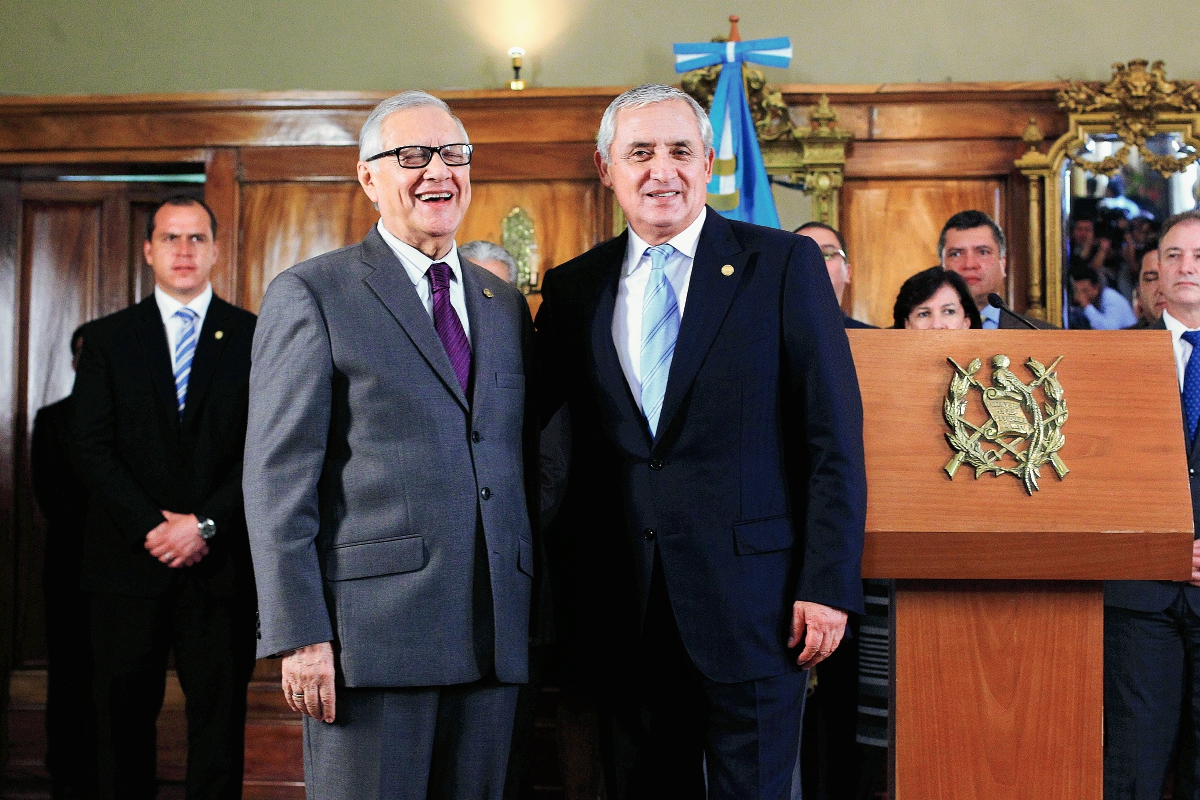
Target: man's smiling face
(658, 168)
(420, 207)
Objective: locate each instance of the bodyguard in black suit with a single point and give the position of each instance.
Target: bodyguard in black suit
(1152, 628)
(717, 493)
(62, 496)
(160, 417)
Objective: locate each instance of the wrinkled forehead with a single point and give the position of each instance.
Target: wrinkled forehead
(1185, 235)
(667, 122)
(971, 238)
(427, 125)
(825, 239)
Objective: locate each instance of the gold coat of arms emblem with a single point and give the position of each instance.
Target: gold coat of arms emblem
(1021, 433)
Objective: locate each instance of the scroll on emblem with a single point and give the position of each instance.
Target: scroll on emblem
(1021, 434)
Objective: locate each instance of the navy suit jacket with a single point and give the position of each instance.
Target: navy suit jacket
(753, 491)
(1153, 596)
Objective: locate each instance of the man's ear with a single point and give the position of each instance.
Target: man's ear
(602, 169)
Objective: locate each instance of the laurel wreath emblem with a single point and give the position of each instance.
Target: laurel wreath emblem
(1027, 434)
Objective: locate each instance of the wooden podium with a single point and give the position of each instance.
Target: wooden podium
(998, 633)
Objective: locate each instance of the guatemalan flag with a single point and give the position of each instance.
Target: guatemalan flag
(739, 188)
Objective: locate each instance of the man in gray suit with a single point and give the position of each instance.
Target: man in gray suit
(387, 463)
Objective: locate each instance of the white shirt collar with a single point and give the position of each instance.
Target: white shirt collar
(167, 305)
(416, 263)
(684, 242)
(1176, 327)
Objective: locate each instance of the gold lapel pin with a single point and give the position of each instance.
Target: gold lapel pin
(487, 292)
(219, 334)
(727, 270)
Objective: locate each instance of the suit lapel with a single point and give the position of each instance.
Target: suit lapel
(480, 311)
(153, 338)
(609, 375)
(710, 291)
(391, 285)
(208, 353)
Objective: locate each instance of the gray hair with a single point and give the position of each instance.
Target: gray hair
(370, 141)
(648, 95)
(1184, 216)
(479, 250)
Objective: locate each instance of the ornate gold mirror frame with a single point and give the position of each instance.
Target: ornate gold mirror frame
(1138, 103)
(812, 159)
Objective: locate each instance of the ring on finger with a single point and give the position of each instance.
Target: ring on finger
(297, 694)
(167, 556)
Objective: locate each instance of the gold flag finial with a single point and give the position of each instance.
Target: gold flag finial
(734, 35)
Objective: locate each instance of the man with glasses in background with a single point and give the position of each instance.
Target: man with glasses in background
(387, 461)
(833, 249)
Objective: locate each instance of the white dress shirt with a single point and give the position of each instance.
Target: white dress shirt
(1183, 350)
(416, 264)
(167, 306)
(631, 289)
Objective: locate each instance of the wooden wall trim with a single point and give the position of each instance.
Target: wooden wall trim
(222, 193)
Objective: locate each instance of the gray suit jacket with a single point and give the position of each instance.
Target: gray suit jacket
(368, 472)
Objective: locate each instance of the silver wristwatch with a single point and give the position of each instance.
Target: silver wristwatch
(208, 528)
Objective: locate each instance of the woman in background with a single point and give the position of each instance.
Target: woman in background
(935, 299)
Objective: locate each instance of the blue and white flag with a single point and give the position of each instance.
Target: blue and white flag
(739, 188)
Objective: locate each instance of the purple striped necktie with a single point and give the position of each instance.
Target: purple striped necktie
(447, 323)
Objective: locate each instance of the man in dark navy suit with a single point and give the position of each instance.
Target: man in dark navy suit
(160, 406)
(717, 493)
(1152, 628)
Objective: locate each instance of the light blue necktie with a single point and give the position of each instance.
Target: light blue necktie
(660, 329)
(184, 350)
(1191, 384)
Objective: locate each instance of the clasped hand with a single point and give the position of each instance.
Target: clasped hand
(176, 541)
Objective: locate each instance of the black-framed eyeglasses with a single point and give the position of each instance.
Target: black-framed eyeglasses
(415, 156)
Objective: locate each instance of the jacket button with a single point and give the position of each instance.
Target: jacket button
(656, 463)
(1191, 471)
(476, 437)
(485, 493)
(649, 534)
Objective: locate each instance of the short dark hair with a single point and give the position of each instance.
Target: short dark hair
(823, 226)
(1175, 219)
(965, 221)
(180, 200)
(1082, 272)
(924, 285)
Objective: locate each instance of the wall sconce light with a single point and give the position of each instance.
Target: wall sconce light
(516, 54)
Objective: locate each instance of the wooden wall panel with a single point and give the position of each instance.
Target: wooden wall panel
(892, 228)
(567, 217)
(10, 238)
(283, 224)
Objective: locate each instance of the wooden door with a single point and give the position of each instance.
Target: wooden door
(80, 257)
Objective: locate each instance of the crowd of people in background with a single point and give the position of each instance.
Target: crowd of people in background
(157, 559)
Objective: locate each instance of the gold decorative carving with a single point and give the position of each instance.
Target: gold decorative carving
(823, 155)
(518, 236)
(1135, 97)
(1027, 434)
(1136, 104)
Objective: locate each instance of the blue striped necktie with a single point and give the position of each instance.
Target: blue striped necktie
(185, 348)
(1191, 384)
(660, 329)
